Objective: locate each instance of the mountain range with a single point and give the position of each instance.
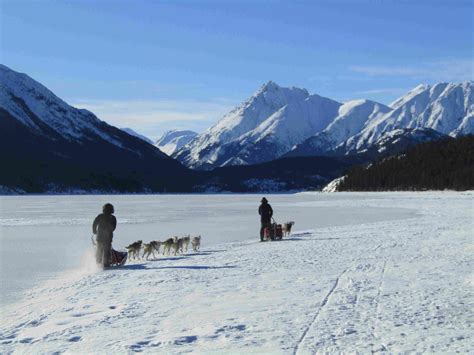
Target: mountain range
(279, 139)
(277, 122)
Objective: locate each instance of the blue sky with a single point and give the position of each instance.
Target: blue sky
(159, 65)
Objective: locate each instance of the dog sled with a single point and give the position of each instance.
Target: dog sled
(273, 232)
(117, 258)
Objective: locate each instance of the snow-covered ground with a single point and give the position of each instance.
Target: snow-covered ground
(399, 285)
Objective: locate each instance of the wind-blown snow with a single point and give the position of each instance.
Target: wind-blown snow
(400, 286)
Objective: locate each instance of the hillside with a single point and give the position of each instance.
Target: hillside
(47, 145)
(284, 174)
(437, 165)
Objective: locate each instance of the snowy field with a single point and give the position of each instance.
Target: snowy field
(363, 272)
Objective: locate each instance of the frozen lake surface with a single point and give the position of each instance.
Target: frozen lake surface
(362, 273)
(43, 235)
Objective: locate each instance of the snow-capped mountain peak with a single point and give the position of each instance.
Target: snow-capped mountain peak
(206, 149)
(447, 108)
(412, 93)
(173, 140)
(275, 120)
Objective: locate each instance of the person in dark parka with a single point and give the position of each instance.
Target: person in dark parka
(104, 226)
(265, 211)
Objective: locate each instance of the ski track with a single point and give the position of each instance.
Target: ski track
(377, 308)
(406, 286)
(321, 306)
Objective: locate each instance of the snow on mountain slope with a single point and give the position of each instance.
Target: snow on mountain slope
(352, 117)
(407, 97)
(397, 141)
(135, 134)
(173, 140)
(205, 149)
(279, 121)
(445, 107)
(27, 100)
(53, 146)
(288, 126)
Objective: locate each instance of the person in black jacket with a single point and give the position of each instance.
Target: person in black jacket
(104, 226)
(265, 211)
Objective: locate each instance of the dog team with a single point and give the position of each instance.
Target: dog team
(170, 246)
(105, 224)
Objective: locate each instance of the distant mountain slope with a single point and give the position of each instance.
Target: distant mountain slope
(278, 122)
(277, 134)
(135, 134)
(47, 145)
(446, 108)
(173, 140)
(352, 117)
(285, 174)
(446, 164)
(263, 128)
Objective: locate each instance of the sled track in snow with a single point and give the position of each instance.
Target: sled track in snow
(377, 310)
(318, 312)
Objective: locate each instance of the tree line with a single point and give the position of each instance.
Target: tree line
(435, 165)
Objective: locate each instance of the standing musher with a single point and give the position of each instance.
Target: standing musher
(103, 227)
(265, 211)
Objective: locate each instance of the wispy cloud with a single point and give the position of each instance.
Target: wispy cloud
(383, 91)
(152, 117)
(442, 70)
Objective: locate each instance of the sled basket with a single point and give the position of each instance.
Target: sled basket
(274, 232)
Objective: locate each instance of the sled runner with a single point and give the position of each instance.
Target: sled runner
(274, 232)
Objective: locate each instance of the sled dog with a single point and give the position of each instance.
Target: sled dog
(177, 245)
(156, 245)
(196, 243)
(167, 245)
(186, 241)
(134, 249)
(149, 248)
(287, 228)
